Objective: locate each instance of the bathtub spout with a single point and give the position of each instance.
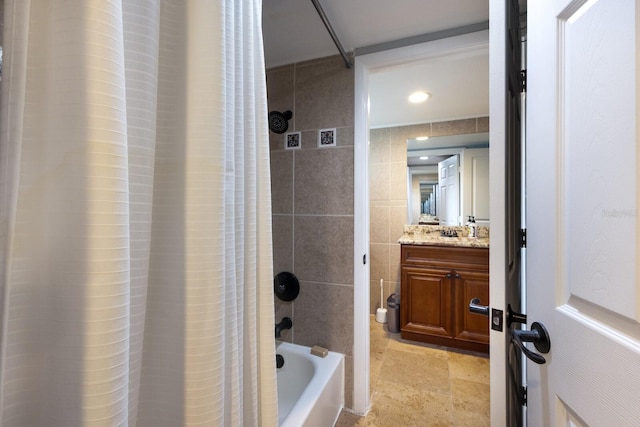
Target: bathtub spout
(286, 323)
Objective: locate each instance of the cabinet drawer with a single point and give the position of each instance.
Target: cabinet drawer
(446, 257)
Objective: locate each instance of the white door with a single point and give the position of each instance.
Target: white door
(475, 185)
(449, 183)
(582, 211)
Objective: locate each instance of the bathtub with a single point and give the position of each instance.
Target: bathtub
(310, 388)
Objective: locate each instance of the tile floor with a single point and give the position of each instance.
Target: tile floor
(416, 384)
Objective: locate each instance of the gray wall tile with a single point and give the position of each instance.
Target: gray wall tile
(379, 182)
(323, 249)
(398, 180)
(398, 149)
(282, 228)
(324, 181)
(284, 309)
(379, 142)
(402, 133)
(379, 227)
(323, 94)
(324, 316)
(280, 86)
(379, 254)
(394, 264)
(276, 141)
(309, 139)
(374, 293)
(397, 221)
(345, 136)
(483, 124)
(391, 288)
(454, 127)
(282, 182)
(280, 93)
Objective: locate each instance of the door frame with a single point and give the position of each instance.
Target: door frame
(498, 270)
(364, 65)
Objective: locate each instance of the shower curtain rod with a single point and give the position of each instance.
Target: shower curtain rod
(332, 33)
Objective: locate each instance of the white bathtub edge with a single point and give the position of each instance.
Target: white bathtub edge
(311, 409)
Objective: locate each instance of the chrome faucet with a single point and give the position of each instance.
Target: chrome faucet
(448, 233)
(285, 323)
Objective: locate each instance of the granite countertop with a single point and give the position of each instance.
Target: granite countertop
(430, 235)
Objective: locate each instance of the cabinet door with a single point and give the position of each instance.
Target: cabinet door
(425, 305)
(470, 326)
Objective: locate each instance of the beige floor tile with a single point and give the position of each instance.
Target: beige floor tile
(423, 372)
(415, 384)
(470, 419)
(468, 367)
(375, 367)
(378, 345)
(470, 396)
(417, 348)
(396, 404)
(379, 340)
(378, 329)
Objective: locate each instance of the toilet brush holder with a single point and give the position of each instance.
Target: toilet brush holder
(381, 315)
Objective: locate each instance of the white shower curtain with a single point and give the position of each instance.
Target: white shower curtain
(135, 232)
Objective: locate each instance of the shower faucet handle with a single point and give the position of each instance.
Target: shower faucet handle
(285, 323)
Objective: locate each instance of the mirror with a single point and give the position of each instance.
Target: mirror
(424, 194)
(426, 204)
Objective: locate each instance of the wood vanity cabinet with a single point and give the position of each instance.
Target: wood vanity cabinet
(437, 284)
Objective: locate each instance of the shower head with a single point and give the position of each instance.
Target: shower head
(278, 122)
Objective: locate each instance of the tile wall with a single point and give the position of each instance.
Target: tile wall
(1, 25)
(312, 203)
(388, 195)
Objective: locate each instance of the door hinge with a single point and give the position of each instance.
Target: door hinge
(523, 394)
(364, 259)
(523, 80)
(523, 238)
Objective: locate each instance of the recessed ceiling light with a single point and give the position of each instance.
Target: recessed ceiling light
(422, 138)
(419, 96)
(424, 158)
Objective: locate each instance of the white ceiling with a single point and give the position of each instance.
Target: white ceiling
(294, 32)
(458, 84)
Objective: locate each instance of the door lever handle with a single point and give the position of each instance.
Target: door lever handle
(475, 307)
(538, 335)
